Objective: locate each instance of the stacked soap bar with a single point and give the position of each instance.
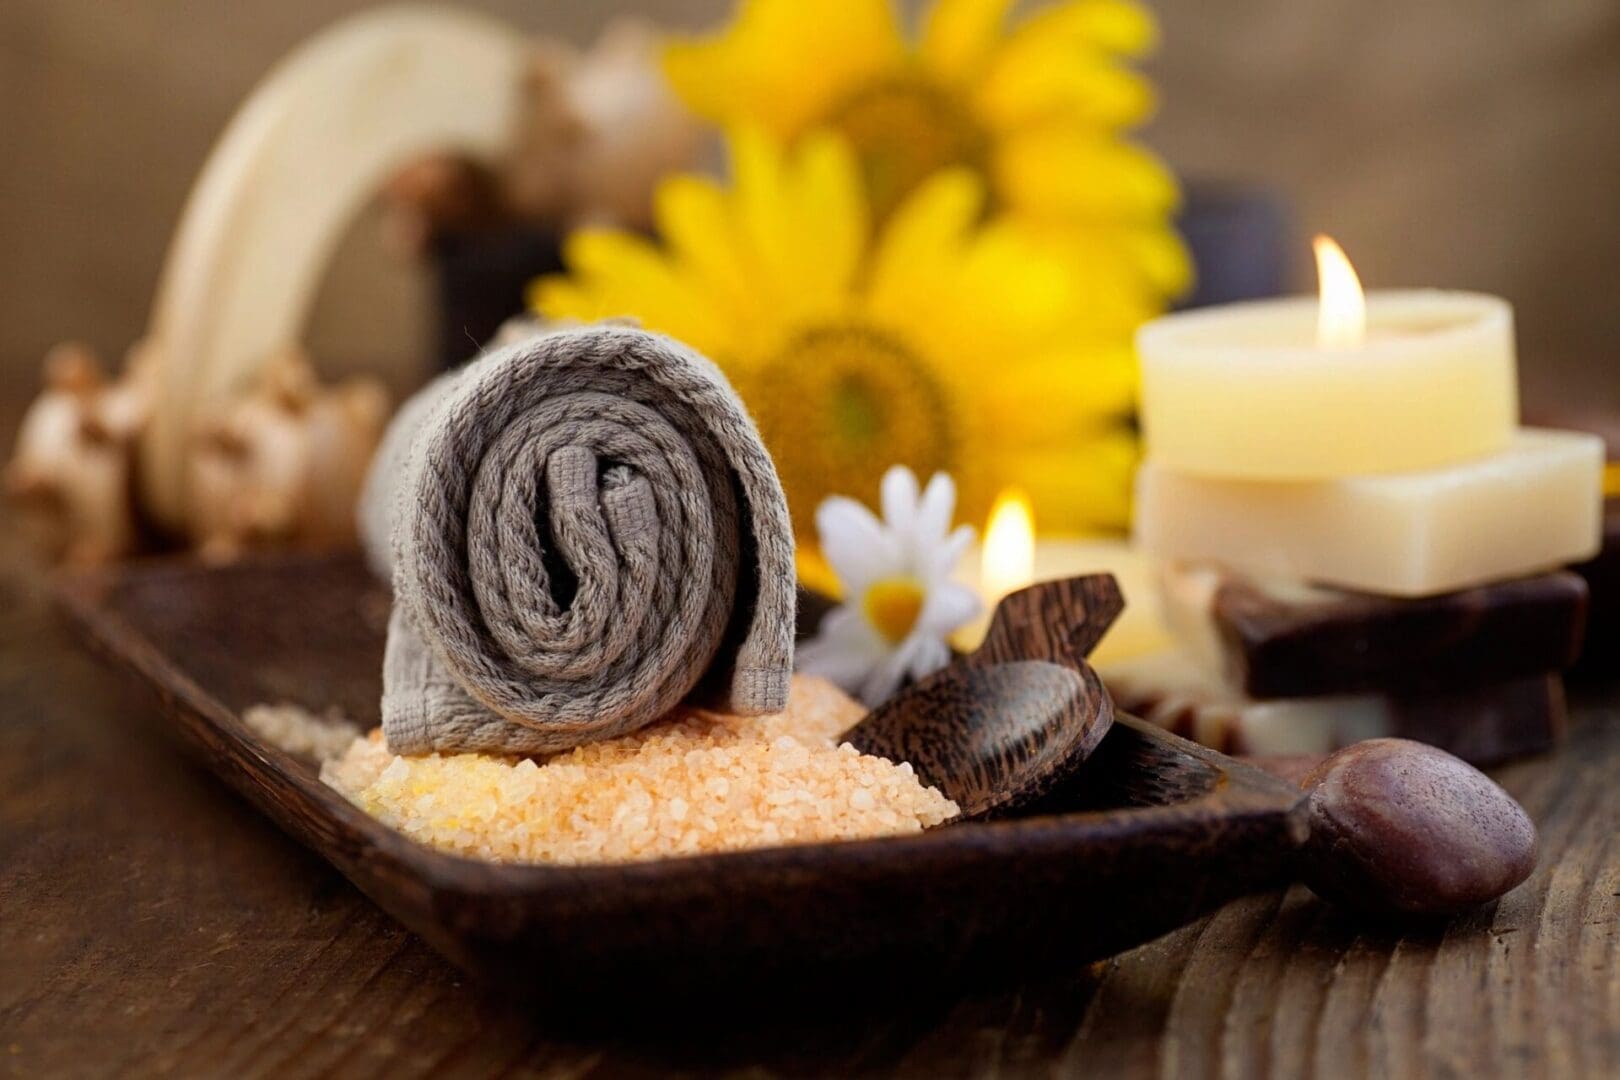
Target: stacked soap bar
(1277, 667)
(1331, 574)
(1483, 725)
(1533, 506)
(1280, 639)
(1600, 657)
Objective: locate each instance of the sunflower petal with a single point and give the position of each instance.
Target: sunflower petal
(630, 277)
(1122, 27)
(1061, 170)
(783, 63)
(830, 216)
(960, 34)
(1063, 84)
(923, 237)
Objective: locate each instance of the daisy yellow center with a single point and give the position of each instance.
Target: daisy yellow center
(892, 606)
(839, 404)
(904, 130)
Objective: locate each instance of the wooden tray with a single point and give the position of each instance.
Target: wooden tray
(1156, 832)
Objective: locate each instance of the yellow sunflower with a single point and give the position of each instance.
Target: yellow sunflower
(938, 341)
(1036, 108)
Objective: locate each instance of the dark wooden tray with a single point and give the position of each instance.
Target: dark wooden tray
(1155, 832)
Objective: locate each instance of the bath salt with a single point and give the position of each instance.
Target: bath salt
(300, 732)
(696, 782)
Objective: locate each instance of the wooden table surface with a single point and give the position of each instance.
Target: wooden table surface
(151, 923)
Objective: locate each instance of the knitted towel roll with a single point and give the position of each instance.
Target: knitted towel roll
(585, 529)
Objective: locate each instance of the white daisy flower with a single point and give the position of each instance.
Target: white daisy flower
(900, 603)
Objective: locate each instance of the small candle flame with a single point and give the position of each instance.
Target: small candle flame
(1008, 562)
(1341, 321)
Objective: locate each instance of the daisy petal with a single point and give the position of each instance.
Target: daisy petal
(900, 502)
(942, 562)
(931, 655)
(887, 675)
(855, 543)
(845, 649)
(934, 515)
(949, 607)
(841, 665)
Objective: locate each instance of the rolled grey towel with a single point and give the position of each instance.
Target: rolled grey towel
(583, 529)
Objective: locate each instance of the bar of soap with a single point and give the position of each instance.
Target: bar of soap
(1274, 638)
(1531, 508)
(1482, 725)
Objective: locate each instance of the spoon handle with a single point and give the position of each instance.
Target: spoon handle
(1057, 621)
(1387, 826)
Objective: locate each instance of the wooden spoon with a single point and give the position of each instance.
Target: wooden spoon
(1005, 726)
(1386, 826)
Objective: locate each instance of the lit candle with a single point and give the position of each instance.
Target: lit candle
(1385, 457)
(1302, 389)
(1011, 557)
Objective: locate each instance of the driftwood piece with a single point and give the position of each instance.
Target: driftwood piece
(72, 466)
(283, 465)
(285, 179)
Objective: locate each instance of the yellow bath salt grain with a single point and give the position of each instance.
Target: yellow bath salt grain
(300, 732)
(698, 782)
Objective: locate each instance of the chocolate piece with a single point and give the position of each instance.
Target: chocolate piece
(1482, 725)
(1404, 829)
(1600, 656)
(1284, 640)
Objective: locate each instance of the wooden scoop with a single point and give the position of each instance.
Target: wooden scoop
(1007, 725)
(1389, 825)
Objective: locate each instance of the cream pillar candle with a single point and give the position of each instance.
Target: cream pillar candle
(1534, 506)
(1245, 390)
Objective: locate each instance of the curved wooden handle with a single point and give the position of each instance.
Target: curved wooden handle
(311, 144)
(1058, 621)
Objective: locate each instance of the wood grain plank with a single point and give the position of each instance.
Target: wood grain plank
(162, 915)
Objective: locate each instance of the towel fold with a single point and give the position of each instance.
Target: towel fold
(583, 529)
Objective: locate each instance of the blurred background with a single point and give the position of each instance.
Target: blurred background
(1459, 143)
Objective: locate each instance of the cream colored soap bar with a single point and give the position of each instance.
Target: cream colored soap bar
(1534, 506)
(1244, 390)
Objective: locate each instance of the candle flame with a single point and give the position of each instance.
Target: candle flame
(1341, 320)
(1008, 563)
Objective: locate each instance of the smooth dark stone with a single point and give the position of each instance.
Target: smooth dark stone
(1402, 828)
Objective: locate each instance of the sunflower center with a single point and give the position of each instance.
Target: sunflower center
(905, 129)
(839, 405)
(892, 606)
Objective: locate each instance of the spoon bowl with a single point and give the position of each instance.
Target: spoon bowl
(1002, 728)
